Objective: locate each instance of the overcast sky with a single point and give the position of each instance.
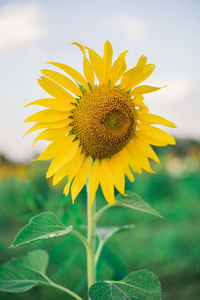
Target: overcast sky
(34, 32)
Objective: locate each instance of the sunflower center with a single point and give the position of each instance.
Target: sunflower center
(104, 121)
(114, 120)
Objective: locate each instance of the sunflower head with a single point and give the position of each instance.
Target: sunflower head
(98, 124)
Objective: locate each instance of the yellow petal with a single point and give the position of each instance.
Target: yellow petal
(138, 75)
(64, 81)
(127, 160)
(70, 169)
(75, 170)
(144, 89)
(148, 70)
(52, 134)
(57, 104)
(55, 148)
(54, 89)
(138, 101)
(88, 71)
(155, 136)
(139, 158)
(87, 68)
(48, 115)
(94, 180)
(63, 158)
(106, 181)
(73, 73)
(142, 61)
(154, 119)
(117, 173)
(81, 47)
(66, 189)
(72, 175)
(107, 61)
(81, 178)
(133, 73)
(58, 124)
(118, 68)
(97, 64)
(127, 76)
(145, 148)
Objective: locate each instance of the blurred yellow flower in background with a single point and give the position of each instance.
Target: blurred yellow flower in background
(102, 130)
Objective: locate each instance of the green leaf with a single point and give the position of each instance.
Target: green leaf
(135, 202)
(21, 274)
(139, 285)
(105, 233)
(43, 226)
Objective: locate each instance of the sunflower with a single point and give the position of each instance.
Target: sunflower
(99, 130)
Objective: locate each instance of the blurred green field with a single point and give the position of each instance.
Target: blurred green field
(169, 247)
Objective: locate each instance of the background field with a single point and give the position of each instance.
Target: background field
(169, 247)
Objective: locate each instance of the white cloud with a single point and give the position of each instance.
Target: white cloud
(132, 26)
(177, 89)
(20, 24)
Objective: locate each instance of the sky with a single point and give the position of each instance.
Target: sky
(35, 32)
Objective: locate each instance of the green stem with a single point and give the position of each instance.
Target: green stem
(101, 211)
(62, 288)
(81, 237)
(98, 252)
(91, 269)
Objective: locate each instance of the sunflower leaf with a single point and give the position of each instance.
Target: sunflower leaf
(43, 226)
(105, 233)
(134, 201)
(143, 285)
(21, 274)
